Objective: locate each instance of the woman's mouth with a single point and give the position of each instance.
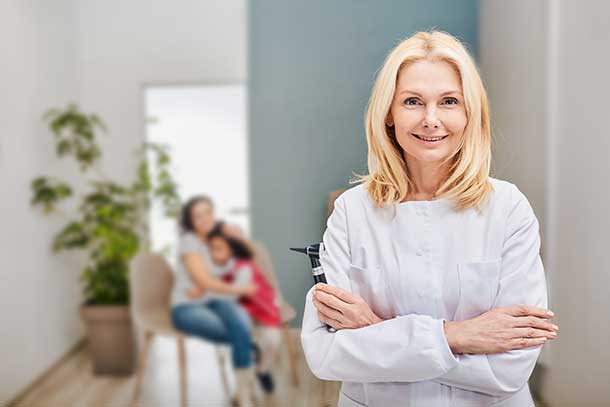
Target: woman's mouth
(429, 140)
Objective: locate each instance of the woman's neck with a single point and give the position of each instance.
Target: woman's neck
(426, 178)
(202, 236)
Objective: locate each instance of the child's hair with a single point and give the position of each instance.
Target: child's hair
(239, 249)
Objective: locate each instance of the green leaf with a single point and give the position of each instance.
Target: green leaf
(48, 192)
(110, 214)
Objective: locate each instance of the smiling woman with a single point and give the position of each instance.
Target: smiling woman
(427, 115)
(435, 283)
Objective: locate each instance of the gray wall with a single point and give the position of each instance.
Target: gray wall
(312, 66)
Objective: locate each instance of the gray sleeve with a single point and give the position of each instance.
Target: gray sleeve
(189, 243)
(243, 275)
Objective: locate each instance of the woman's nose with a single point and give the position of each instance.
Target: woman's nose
(431, 120)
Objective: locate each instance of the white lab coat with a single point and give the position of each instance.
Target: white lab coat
(416, 264)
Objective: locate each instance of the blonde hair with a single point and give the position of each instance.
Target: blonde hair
(467, 180)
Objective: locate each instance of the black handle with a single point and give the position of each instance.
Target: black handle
(321, 278)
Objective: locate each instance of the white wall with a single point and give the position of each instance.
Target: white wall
(581, 145)
(546, 64)
(514, 72)
(100, 54)
(124, 45)
(39, 292)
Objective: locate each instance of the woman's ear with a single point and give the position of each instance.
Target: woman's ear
(389, 121)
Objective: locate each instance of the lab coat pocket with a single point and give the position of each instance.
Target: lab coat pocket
(479, 282)
(372, 285)
(347, 401)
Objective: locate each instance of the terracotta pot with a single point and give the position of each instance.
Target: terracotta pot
(111, 339)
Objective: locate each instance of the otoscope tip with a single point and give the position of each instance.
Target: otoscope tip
(297, 249)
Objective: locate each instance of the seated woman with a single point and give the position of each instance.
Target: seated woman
(213, 315)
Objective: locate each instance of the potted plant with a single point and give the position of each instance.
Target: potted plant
(110, 225)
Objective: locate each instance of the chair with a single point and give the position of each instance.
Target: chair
(332, 196)
(287, 312)
(150, 281)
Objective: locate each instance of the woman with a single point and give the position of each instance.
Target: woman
(213, 315)
(435, 283)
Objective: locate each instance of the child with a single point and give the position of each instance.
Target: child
(237, 261)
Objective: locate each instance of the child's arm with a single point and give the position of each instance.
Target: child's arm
(243, 275)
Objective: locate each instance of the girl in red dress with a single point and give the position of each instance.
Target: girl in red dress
(240, 268)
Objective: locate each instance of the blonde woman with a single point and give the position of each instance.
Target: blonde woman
(435, 282)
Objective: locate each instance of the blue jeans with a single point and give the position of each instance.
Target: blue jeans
(219, 321)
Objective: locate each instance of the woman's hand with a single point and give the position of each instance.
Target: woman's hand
(247, 290)
(195, 292)
(341, 309)
(233, 231)
(501, 330)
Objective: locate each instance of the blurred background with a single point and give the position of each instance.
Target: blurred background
(260, 105)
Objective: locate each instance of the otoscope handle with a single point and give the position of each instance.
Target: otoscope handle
(320, 280)
(319, 277)
(313, 251)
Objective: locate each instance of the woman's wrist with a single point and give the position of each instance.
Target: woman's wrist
(377, 319)
(451, 333)
(239, 289)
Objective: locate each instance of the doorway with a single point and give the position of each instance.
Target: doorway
(205, 128)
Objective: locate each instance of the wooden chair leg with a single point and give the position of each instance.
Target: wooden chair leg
(291, 352)
(223, 371)
(148, 337)
(182, 370)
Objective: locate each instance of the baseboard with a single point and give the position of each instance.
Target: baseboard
(78, 345)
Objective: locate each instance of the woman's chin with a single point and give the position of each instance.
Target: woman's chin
(428, 156)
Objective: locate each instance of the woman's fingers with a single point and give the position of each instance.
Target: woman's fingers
(330, 300)
(326, 310)
(329, 321)
(521, 343)
(535, 322)
(338, 292)
(532, 333)
(350, 314)
(233, 231)
(525, 310)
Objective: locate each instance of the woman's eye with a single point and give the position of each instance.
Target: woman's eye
(451, 101)
(411, 101)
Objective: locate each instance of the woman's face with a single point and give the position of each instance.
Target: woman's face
(428, 102)
(220, 250)
(202, 217)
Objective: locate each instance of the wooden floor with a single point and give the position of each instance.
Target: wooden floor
(73, 384)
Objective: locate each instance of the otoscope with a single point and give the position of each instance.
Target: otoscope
(313, 251)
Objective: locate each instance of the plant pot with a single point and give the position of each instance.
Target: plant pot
(111, 339)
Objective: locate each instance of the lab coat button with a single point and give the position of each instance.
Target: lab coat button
(418, 253)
